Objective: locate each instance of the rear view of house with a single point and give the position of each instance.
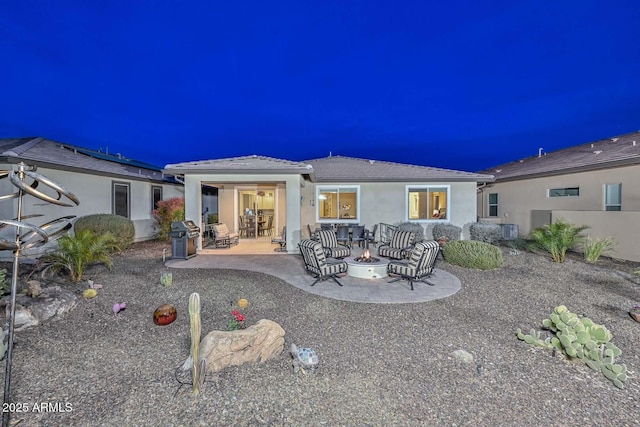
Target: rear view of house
(594, 184)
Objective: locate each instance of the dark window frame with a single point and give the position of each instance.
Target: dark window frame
(493, 205)
(154, 199)
(564, 192)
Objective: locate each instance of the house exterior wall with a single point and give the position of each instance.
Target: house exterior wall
(94, 193)
(386, 203)
(517, 200)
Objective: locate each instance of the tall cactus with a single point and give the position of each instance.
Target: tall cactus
(198, 365)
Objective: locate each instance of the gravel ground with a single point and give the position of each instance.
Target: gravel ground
(381, 365)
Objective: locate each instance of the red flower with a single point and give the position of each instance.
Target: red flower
(235, 312)
(240, 317)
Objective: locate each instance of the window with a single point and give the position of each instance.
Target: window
(613, 197)
(120, 198)
(564, 192)
(425, 202)
(156, 196)
(493, 204)
(338, 202)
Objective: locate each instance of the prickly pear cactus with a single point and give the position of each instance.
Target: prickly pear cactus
(579, 338)
(303, 359)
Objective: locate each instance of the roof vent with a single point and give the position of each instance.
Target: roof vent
(614, 139)
(591, 145)
(371, 162)
(498, 170)
(597, 152)
(633, 143)
(540, 151)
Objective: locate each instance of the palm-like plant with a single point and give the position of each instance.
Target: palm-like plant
(75, 253)
(557, 238)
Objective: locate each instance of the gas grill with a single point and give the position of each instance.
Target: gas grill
(184, 235)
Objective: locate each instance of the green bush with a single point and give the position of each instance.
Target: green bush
(594, 248)
(485, 232)
(448, 231)
(120, 227)
(414, 228)
(76, 252)
(473, 254)
(557, 238)
(168, 211)
(212, 218)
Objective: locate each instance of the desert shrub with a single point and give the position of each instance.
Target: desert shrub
(168, 211)
(120, 227)
(473, 254)
(413, 227)
(557, 238)
(594, 248)
(485, 232)
(76, 252)
(449, 231)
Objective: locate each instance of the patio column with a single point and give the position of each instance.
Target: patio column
(294, 228)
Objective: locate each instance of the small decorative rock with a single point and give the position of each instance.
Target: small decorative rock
(257, 343)
(34, 289)
(463, 355)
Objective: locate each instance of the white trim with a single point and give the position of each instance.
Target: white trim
(447, 187)
(338, 219)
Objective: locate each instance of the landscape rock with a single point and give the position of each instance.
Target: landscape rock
(463, 356)
(52, 303)
(257, 343)
(34, 289)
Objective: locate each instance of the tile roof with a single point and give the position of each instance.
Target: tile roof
(350, 169)
(606, 153)
(47, 153)
(246, 164)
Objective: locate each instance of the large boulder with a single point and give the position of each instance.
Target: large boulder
(257, 343)
(48, 304)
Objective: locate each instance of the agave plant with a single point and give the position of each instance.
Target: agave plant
(557, 238)
(76, 252)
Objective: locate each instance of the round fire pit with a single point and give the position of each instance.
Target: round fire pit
(367, 268)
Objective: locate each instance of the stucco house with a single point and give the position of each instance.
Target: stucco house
(333, 189)
(594, 184)
(104, 183)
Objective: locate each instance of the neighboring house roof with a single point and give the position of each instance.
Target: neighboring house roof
(328, 169)
(248, 165)
(351, 169)
(613, 152)
(46, 153)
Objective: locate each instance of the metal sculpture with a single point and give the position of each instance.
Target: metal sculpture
(33, 236)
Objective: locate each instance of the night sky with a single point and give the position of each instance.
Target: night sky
(455, 84)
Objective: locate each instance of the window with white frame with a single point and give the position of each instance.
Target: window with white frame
(427, 202)
(338, 202)
(120, 198)
(613, 197)
(493, 204)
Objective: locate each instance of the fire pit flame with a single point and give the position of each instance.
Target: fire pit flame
(366, 257)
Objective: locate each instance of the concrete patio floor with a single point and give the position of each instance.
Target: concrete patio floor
(290, 268)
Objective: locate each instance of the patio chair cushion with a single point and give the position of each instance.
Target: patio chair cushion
(399, 246)
(223, 237)
(329, 243)
(316, 263)
(420, 265)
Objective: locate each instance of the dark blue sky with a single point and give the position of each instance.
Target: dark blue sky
(456, 84)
